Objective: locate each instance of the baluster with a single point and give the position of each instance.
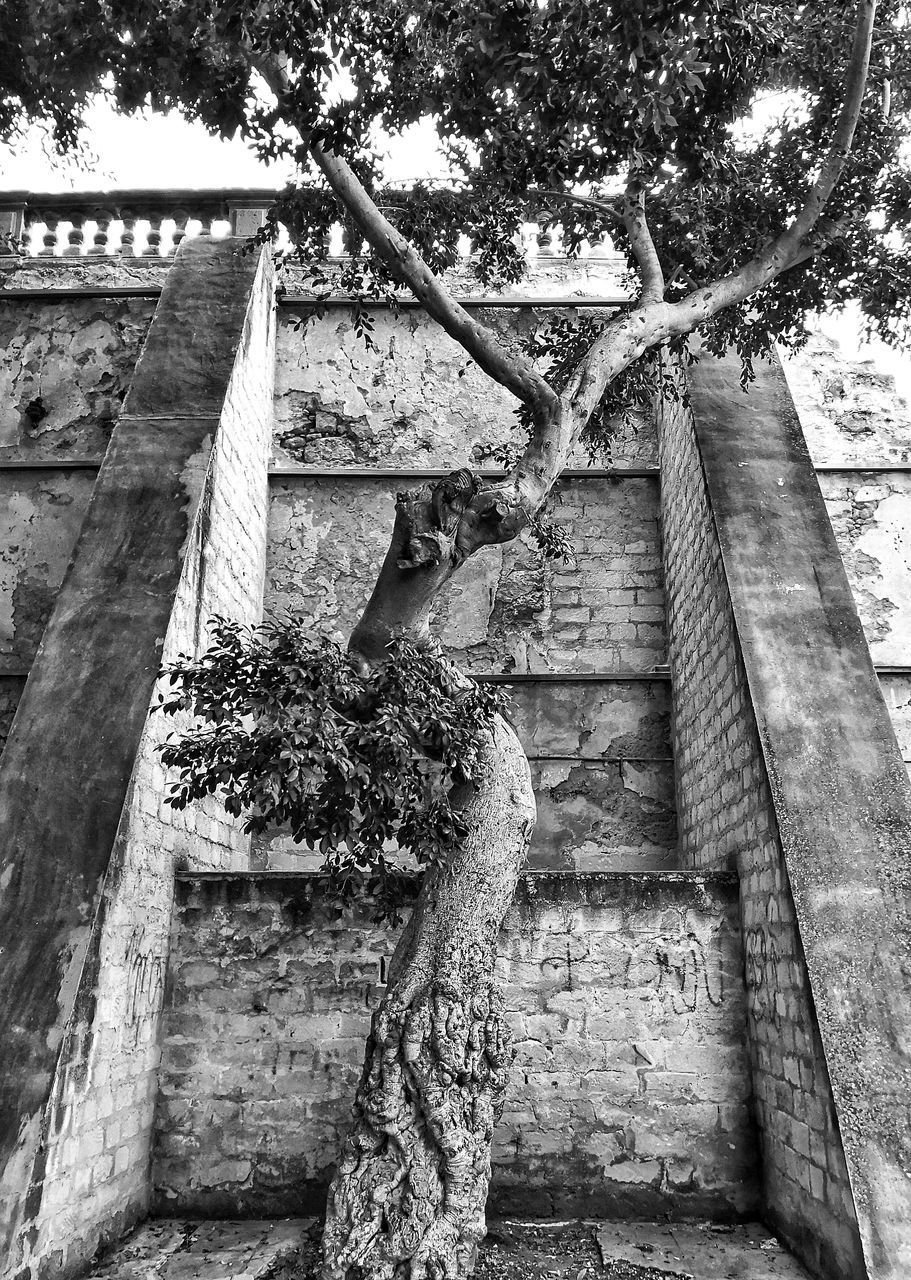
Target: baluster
(543, 237)
(75, 236)
(128, 235)
(205, 223)
(49, 238)
(525, 239)
(604, 247)
(99, 247)
(181, 218)
(352, 240)
(153, 238)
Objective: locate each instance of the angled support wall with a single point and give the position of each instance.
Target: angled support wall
(808, 796)
(87, 863)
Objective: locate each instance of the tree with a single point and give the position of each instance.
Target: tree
(620, 116)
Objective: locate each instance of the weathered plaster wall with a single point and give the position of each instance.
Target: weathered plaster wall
(871, 518)
(91, 1177)
(850, 411)
(507, 610)
(602, 771)
(727, 818)
(413, 399)
(78, 356)
(41, 513)
(630, 1093)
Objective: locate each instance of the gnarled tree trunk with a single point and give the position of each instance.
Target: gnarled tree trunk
(409, 1196)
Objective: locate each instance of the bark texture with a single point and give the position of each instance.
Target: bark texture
(408, 1199)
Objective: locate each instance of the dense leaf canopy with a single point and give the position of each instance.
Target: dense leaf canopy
(560, 98)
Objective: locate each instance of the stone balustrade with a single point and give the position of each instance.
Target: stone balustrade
(151, 224)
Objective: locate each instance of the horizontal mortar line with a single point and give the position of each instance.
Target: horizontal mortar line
(50, 464)
(892, 669)
(15, 673)
(493, 301)
(679, 876)
(89, 291)
(852, 468)
(439, 473)
(604, 759)
(565, 677)
(169, 417)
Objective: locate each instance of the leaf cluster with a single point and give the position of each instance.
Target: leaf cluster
(362, 768)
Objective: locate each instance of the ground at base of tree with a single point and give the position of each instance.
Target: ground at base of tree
(288, 1249)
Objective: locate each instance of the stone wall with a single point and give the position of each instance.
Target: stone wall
(630, 1092)
(353, 422)
(93, 1176)
(726, 818)
(41, 513)
(77, 355)
(506, 610)
(413, 398)
(857, 429)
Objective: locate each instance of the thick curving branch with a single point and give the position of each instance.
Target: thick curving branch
(643, 246)
(791, 245)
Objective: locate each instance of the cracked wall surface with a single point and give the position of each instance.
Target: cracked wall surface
(413, 399)
(850, 410)
(871, 518)
(507, 609)
(630, 1092)
(42, 513)
(77, 356)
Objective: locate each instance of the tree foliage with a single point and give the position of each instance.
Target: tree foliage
(361, 768)
(558, 97)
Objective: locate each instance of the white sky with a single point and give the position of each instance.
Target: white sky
(160, 151)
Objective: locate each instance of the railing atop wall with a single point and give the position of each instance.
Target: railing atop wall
(149, 225)
(124, 224)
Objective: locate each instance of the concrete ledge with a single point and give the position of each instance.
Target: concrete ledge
(68, 760)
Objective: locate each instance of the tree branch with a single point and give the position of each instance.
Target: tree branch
(643, 247)
(590, 202)
(782, 252)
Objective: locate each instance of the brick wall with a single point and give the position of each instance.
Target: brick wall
(630, 1093)
(100, 1115)
(412, 400)
(726, 818)
(505, 610)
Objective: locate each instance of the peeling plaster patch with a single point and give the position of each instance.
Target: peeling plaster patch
(593, 719)
(78, 356)
(850, 412)
(415, 399)
(871, 518)
(42, 516)
(329, 536)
